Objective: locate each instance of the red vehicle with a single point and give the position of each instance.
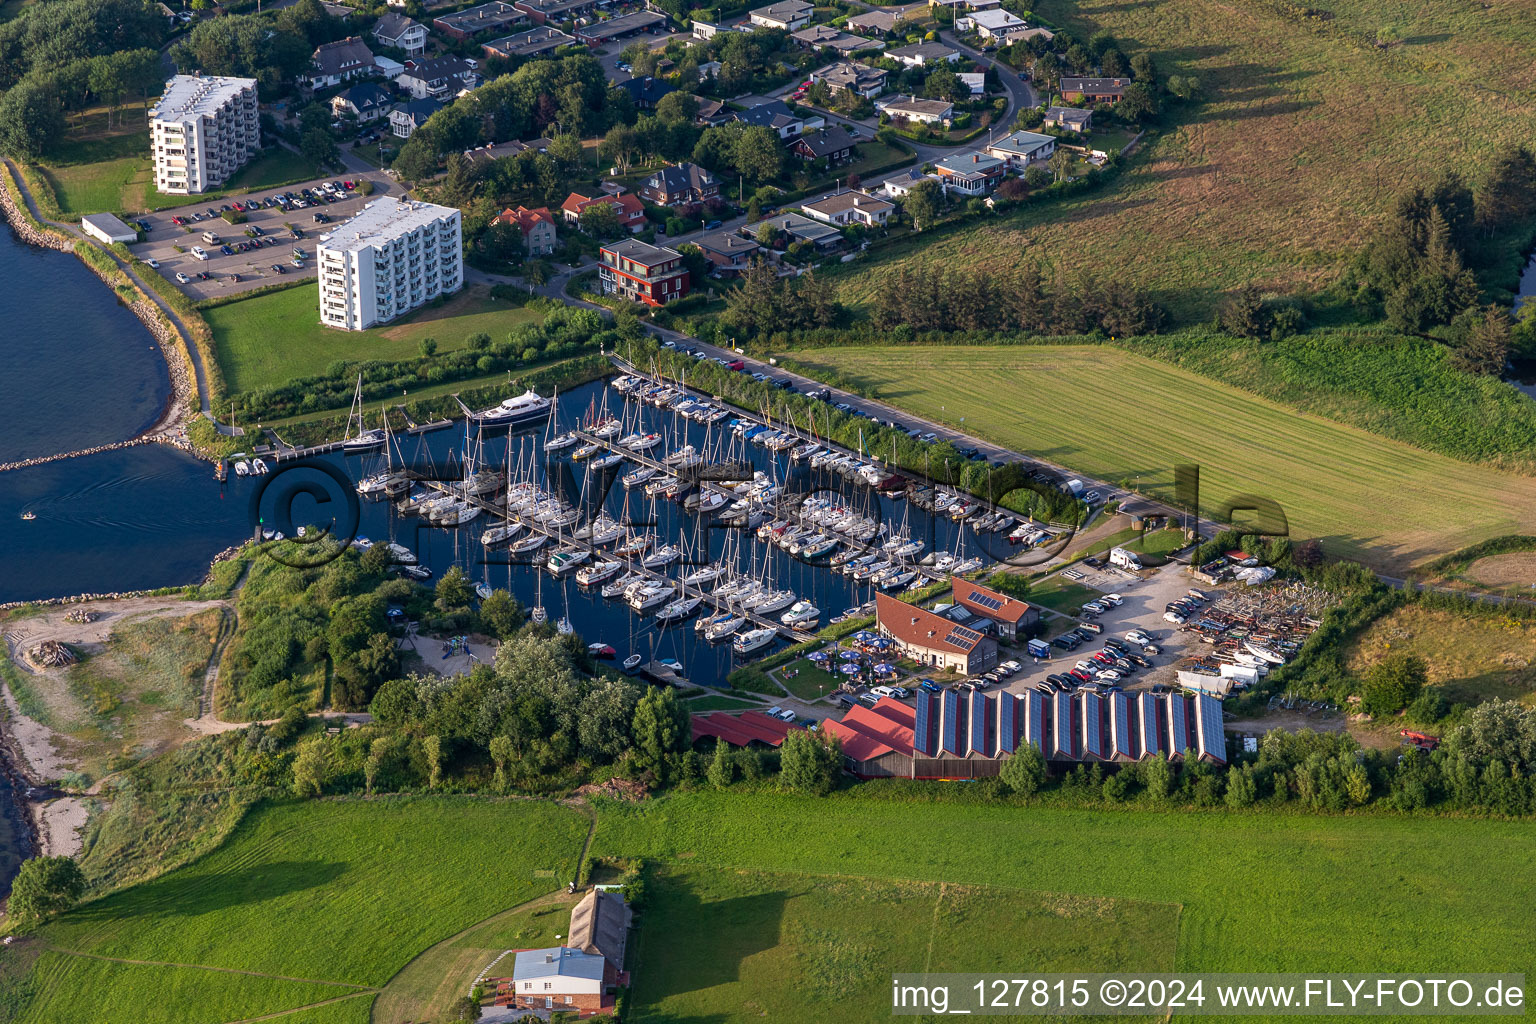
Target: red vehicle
(736, 364)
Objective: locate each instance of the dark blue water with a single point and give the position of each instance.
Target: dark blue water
(80, 369)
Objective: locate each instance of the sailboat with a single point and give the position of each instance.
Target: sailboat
(363, 440)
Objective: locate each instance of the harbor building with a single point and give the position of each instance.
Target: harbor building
(202, 131)
(394, 256)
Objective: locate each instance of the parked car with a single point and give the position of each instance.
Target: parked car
(278, 268)
(152, 264)
(930, 686)
(1094, 563)
(1175, 618)
(928, 436)
(183, 279)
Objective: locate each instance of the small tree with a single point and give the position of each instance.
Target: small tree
(428, 347)
(1243, 315)
(502, 752)
(1394, 683)
(1485, 347)
(722, 769)
(432, 748)
(660, 730)
(1024, 773)
(809, 762)
(45, 886)
(313, 767)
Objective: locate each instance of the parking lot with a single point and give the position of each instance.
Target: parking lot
(268, 234)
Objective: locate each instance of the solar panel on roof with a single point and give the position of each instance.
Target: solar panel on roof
(1034, 719)
(985, 600)
(1178, 724)
(953, 727)
(1120, 725)
(1210, 736)
(1007, 723)
(962, 638)
(1151, 735)
(1093, 725)
(923, 731)
(981, 722)
(1064, 736)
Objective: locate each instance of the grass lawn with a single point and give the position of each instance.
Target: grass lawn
(1061, 595)
(106, 170)
(808, 682)
(429, 984)
(1363, 495)
(1307, 134)
(734, 945)
(1475, 658)
(316, 900)
(270, 339)
(1337, 883)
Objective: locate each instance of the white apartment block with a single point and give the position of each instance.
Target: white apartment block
(395, 255)
(202, 130)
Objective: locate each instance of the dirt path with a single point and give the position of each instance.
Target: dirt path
(52, 624)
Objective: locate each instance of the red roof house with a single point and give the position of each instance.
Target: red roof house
(630, 209)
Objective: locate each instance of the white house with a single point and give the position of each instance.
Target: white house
(1021, 149)
(107, 228)
(990, 24)
(787, 15)
(850, 208)
(920, 55)
(976, 81)
(914, 108)
(402, 33)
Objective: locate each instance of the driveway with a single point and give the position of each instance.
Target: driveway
(254, 266)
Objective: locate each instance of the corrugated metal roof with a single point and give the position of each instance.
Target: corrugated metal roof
(556, 962)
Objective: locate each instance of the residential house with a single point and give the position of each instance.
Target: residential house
(845, 76)
(968, 5)
(441, 78)
(623, 27)
(366, 101)
(787, 15)
(1072, 119)
(341, 61)
(649, 274)
(628, 207)
(1093, 90)
(707, 30)
(527, 44)
(835, 145)
(914, 108)
(409, 116)
(1021, 149)
(932, 640)
(846, 208)
(646, 92)
(728, 251)
(558, 978)
(542, 12)
(976, 81)
(970, 174)
(898, 186)
(1024, 35)
(824, 237)
(401, 33)
(709, 69)
(578, 977)
(485, 154)
(776, 114)
(1011, 616)
(496, 16)
(883, 22)
(921, 55)
(537, 226)
(713, 112)
(825, 37)
(990, 24)
(680, 185)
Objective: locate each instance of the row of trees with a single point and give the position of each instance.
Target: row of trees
(766, 302)
(923, 298)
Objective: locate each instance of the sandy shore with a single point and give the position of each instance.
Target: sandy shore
(59, 823)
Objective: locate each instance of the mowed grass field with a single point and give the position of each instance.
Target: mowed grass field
(271, 339)
(1255, 892)
(312, 902)
(1122, 417)
(727, 945)
(1305, 137)
(98, 169)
